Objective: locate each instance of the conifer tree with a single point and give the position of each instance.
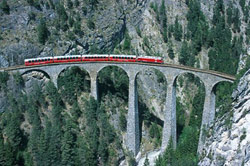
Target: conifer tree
(43, 32)
(171, 51)
(146, 162)
(5, 7)
(184, 53)
(177, 30)
(68, 145)
(2, 150)
(163, 19)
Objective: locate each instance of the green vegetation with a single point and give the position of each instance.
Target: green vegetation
(5, 7)
(224, 54)
(127, 42)
(186, 57)
(61, 12)
(18, 79)
(113, 80)
(72, 82)
(93, 3)
(34, 3)
(53, 134)
(177, 30)
(91, 24)
(171, 51)
(188, 129)
(123, 122)
(42, 31)
(146, 162)
(163, 21)
(197, 34)
(4, 77)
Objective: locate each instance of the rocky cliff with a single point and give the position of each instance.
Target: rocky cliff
(229, 143)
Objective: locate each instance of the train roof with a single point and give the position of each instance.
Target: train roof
(150, 57)
(67, 56)
(123, 56)
(96, 55)
(30, 59)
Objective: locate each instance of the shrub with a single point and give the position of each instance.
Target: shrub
(61, 12)
(138, 30)
(127, 42)
(4, 77)
(123, 122)
(42, 31)
(5, 7)
(34, 3)
(18, 79)
(171, 51)
(69, 4)
(32, 16)
(91, 24)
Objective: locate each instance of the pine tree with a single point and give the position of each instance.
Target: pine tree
(177, 30)
(10, 154)
(43, 147)
(61, 12)
(236, 20)
(68, 146)
(229, 14)
(103, 150)
(43, 32)
(2, 150)
(5, 7)
(146, 162)
(184, 53)
(171, 51)
(163, 21)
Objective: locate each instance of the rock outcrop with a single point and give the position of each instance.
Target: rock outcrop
(229, 143)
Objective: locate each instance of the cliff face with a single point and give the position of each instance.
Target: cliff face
(229, 143)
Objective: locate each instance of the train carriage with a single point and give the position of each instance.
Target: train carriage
(122, 58)
(95, 57)
(149, 59)
(67, 58)
(92, 58)
(38, 61)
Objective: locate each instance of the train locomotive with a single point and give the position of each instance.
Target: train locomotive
(91, 58)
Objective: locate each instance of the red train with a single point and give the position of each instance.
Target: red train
(86, 58)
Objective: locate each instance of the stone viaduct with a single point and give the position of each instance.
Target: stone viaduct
(171, 72)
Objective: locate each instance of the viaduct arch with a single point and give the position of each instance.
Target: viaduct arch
(171, 72)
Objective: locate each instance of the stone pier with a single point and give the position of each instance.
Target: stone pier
(208, 115)
(169, 129)
(133, 137)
